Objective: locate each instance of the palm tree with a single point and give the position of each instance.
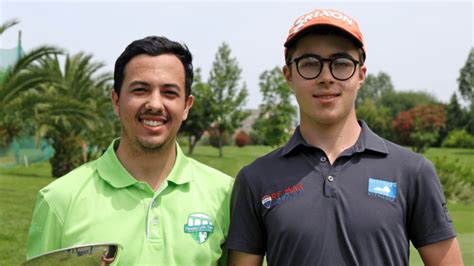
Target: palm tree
(72, 108)
(17, 80)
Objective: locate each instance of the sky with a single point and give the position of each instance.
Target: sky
(422, 45)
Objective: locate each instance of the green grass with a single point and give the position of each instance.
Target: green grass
(18, 188)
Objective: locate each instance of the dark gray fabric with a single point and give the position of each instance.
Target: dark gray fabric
(323, 214)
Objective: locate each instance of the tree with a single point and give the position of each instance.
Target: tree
(72, 110)
(421, 124)
(202, 114)
(466, 78)
(375, 88)
(456, 118)
(228, 95)
(405, 100)
(8, 24)
(377, 117)
(466, 88)
(276, 112)
(15, 82)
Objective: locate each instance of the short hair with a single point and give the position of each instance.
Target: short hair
(323, 30)
(154, 46)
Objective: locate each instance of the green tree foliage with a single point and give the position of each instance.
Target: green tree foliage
(202, 114)
(405, 100)
(466, 88)
(456, 117)
(419, 126)
(8, 24)
(73, 110)
(375, 88)
(228, 96)
(459, 138)
(275, 120)
(377, 117)
(466, 78)
(455, 178)
(17, 80)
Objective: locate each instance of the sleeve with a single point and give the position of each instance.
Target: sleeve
(45, 229)
(246, 232)
(429, 221)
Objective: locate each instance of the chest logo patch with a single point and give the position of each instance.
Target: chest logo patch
(382, 189)
(199, 226)
(281, 196)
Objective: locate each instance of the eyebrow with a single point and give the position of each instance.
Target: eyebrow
(138, 82)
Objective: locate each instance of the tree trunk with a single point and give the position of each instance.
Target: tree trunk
(221, 154)
(192, 143)
(67, 156)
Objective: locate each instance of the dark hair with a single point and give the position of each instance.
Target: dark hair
(154, 46)
(323, 30)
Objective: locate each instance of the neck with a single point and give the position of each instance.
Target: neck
(332, 138)
(150, 167)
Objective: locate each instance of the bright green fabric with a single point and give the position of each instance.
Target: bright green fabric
(101, 202)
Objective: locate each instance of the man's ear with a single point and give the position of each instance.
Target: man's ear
(115, 101)
(287, 74)
(362, 73)
(187, 107)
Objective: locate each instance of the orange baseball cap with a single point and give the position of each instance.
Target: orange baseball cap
(325, 17)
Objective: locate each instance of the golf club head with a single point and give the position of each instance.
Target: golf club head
(83, 255)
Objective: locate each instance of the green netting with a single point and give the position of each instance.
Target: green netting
(24, 151)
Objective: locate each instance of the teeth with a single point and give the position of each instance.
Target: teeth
(326, 97)
(152, 123)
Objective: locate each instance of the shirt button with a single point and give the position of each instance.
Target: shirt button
(323, 159)
(155, 221)
(330, 178)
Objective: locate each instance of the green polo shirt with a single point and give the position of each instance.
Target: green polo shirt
(185, 222)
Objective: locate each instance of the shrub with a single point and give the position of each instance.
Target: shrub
(456, 179)
(214, 138)
(241, 139)
(459, 138)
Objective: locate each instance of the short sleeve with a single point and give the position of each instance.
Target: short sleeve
(246, 232)
(428, 220)
(45, 229)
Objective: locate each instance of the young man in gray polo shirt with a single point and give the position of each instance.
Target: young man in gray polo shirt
(336, 193)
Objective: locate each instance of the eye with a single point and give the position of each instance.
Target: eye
(309, 62)
(342, 63)
(171, 93)
(138, 90)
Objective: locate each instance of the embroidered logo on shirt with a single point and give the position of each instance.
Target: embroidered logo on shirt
(382, 189)
(278, 197)
(199, 226)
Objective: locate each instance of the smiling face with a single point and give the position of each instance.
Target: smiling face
(325, 100)
(152, 103)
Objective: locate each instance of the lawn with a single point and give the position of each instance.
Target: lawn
(18, 188)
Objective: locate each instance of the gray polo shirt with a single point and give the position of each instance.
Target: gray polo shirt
(296, 207)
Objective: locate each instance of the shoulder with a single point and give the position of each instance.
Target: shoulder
(403, 154)
(209, 174)
(62, 190)
(271, 160)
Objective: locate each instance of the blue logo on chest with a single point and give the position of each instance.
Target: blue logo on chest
(383, 189)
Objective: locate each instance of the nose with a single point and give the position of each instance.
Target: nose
(325, 76)
(155, 102)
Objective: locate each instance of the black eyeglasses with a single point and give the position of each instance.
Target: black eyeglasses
(310, 66)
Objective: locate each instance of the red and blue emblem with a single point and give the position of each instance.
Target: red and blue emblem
(267, 201)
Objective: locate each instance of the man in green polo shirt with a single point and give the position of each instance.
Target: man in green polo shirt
(143, 193)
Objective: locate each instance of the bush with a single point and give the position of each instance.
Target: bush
(456, 179)
(214, 138)
(459, 138)
(242, 139)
